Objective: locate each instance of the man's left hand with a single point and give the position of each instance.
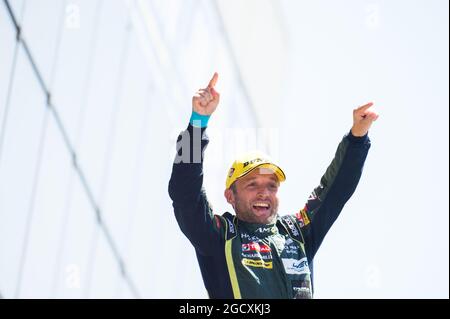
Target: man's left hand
(363, 117)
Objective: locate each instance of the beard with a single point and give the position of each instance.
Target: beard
(247, 212)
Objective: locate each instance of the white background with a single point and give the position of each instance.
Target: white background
(122, 74)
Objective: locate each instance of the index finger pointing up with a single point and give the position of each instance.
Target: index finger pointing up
(365, 106)
(213, 81)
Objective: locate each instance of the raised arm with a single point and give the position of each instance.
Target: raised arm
(191, 207)
(338, 183)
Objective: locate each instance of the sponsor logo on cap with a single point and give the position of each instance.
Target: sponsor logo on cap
(256, 160)
(230, 172)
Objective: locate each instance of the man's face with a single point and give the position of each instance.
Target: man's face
(255, 197)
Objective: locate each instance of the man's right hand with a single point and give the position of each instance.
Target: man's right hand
(205, 101)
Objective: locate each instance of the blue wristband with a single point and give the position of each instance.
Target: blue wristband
(199, 120)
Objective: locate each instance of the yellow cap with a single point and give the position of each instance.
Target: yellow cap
(248, 162)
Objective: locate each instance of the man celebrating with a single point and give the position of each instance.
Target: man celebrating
(256, 253)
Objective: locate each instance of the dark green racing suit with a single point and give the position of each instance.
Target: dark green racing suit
(242, 260)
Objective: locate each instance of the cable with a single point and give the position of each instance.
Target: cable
(10, 84)
(85, 94)
(109, 151)
(71, 150)
(41, 148)
(5, 117)
(134, 192)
